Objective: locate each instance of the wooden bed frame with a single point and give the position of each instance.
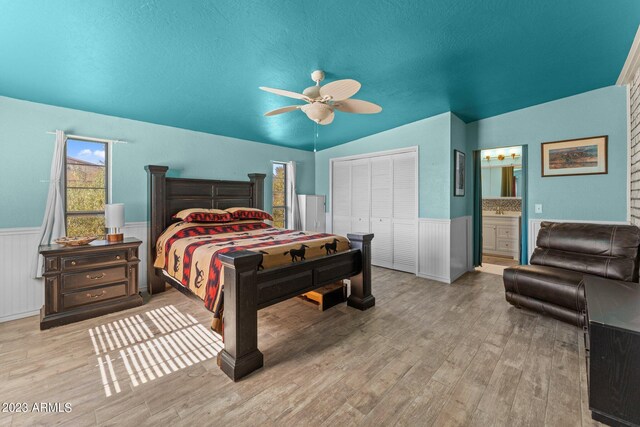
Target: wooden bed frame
(247, 290)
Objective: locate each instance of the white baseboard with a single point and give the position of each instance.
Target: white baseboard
(20, 294)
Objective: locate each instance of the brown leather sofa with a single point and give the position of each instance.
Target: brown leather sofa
(553, 284)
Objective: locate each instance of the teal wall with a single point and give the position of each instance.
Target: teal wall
(461, 206)
(432, 137)
(27, 152)
(587, 197)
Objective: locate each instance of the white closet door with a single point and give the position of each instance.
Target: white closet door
(382, 243)
(360, 195)
(381, 211)
(341, 197)
(404, 245)
(404, 222)
(382, 187)
(404, 186)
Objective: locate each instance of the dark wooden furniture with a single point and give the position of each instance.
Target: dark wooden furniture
(246, 290)
(612, 343)
(88, 281)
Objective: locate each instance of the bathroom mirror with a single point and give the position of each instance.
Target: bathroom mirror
(501, 173)
(501, 181)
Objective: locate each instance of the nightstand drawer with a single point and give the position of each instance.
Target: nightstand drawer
(86, 279)
(94, 295)
(72, 263)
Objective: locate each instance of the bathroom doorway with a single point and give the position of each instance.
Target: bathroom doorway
(502, 189)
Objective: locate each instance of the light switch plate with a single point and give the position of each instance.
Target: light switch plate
(538, 207)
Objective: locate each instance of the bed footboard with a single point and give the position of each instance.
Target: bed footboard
(246, 290)
(240, 356)
(360, 296)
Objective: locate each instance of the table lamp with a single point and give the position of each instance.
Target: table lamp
(114, 221)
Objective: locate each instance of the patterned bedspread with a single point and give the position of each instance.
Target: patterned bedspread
(188, 252)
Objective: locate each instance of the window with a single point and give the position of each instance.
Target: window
(279, 201)
(86, 189)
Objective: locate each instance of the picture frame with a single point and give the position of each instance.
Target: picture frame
(570, 157)
(459, 173)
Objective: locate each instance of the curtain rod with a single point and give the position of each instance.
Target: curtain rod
(89, 138)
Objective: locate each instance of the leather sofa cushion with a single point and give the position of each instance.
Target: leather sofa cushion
(602, 249)
(593, 239)
(610, 267)
(550, 284)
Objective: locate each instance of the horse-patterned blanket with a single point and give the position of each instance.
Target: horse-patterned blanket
(188, 252)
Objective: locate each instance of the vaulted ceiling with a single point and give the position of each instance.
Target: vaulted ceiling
(197, 64)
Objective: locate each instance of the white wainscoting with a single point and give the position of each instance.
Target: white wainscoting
(20, 294)
(461, 243)
(444, 248)
(534, 228)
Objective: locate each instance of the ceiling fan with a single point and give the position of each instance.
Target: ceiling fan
(323, 100)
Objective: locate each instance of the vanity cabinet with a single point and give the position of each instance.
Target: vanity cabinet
(501, 235)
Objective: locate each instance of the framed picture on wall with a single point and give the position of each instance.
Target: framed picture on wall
(459, 173)
(584, 156)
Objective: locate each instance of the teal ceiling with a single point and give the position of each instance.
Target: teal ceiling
(198, 64)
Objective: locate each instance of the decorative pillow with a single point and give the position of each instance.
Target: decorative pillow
(249, 213)
(203, 215)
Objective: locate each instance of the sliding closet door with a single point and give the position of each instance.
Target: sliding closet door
(381, 211)
(360, 195)
(341, 198)
(405, 212)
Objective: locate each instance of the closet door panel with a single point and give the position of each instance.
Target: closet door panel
(341, 198)
(381, 187)
(360, 195)
(404, 245)
(360, 188)
(341, 183)
(382, 243)
(404, 186)
(405, 214)
(341, 225)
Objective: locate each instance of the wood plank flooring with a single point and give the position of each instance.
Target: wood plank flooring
(427, 354)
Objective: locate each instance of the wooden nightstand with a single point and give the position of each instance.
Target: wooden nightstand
(88, 281)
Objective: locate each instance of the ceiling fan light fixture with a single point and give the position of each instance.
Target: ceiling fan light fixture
(323, 100)
(317, 111)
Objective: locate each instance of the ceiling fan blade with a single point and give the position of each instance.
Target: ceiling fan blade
(328, 120)
(340, 89)
(282, 110)
(357, 106)
(286, 93)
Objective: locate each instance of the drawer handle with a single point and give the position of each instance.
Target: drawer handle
(99, 276)
(117, 256)
(97, 295)
(73, 263)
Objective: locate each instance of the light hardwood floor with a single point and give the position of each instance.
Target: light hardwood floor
(427, 354)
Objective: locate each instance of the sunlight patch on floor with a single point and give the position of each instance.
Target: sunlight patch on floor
(143, 348)
(492, 269)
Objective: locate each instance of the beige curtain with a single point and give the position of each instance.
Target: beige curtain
(507, 189)
(53, 226)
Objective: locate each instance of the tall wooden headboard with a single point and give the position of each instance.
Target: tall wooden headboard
(167, 196)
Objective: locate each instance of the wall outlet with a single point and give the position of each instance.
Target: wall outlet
(538, 207)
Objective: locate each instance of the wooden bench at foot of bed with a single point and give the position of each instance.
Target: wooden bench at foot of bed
(246, 290)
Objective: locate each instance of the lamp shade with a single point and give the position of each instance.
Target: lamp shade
(114, 215)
